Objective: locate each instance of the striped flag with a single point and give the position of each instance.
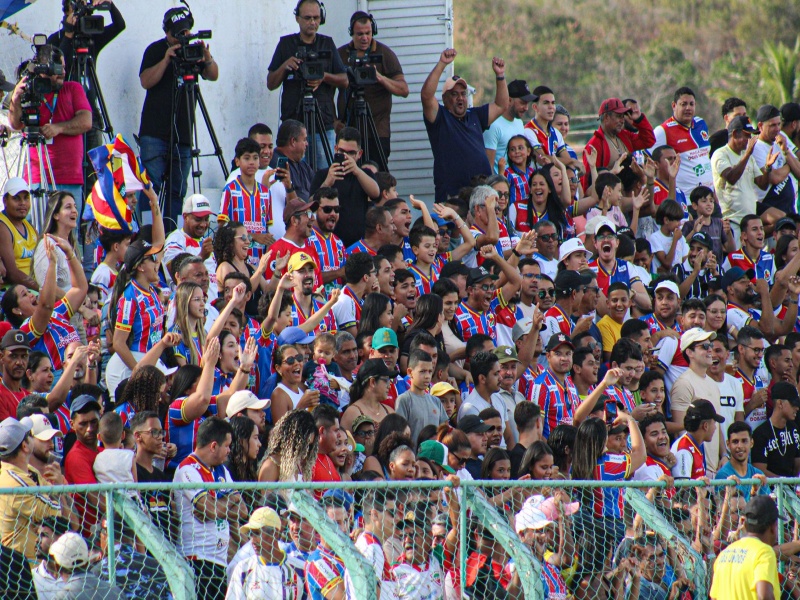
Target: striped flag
(107, 198)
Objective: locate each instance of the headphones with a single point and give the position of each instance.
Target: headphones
(321, 10)
(176, 14)
(359, 16)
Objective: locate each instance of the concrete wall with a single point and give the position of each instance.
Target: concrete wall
(245, 33)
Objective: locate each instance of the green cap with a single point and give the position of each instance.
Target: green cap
(435, 452)
(384, 337)
(506, 354)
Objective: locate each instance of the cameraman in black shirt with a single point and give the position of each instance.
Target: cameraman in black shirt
(165, 116)
(285, 70)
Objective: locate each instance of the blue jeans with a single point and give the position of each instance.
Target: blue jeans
(322, 162)
(154, 153)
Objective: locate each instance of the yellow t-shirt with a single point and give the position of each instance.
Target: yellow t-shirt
(610, 332)
(740, 566)
(24, 243)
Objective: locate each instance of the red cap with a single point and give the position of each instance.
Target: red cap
(612, 105)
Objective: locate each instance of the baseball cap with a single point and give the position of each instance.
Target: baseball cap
(178, 21)
(442, 388)
(296, 205)
(435, 452)
(614, 105)
(785, 222)
(15, 339)
(703, 239)
(167, 371)
(789, 111)
(762, 510)
(603, 222)
(440, 222)
(454, 267)
(244, 399)
(783, 390)
(478, 274)
(5, 84)
(767, 112)
(694, 335)
(549, 508)
(384, 337)
(298, 260)
(571, 246)
(416, 515)
(452, 82)
(741, 123)
(668, 285)
(519, 89)
(374, 367)
(557, 340)
(733, 275)
(360, 420)
(591, 224)
(506, 354)
(197, 205)
(352, 445)
(291, 510)
(703, 410)
(15, 185)
(70, 551)
(530, 517)
(473, 424)
(570, 281)
(137, 251)
(520, 328)
(81, 403)
(42, 429)
(343, 497)
(261, 517)
(12, 432)
(295, 335)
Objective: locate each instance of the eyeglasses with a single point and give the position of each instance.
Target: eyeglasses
(329, 209)
(443, 232)
(756, 350)
(461, 460)
(544, 293)
(709, 346)
(156, 433)
(245, 238)
(548, 237)
(606, 236)
(574, 179)
(486, 288)
(365, 434)
(293, 359)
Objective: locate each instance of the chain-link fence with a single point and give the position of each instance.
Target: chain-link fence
(486, 540)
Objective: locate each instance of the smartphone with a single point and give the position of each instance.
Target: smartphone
(338, 158)
(283, 163)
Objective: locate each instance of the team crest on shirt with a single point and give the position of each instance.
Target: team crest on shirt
(490, 319)
(704, 135)
(767, 274)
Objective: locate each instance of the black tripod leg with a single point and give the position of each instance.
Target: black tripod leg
(105, 120)
(321, 129)
(372, 132)
(310, 122)
(212, 134)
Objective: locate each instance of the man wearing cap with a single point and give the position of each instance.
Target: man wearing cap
(20, 513)
(455, 125)
(700, 268)
(44, 435)
(751, 254)
(45, 574)
(781, 194)
(696, 347)
(663, 321)
(14, 360)
(18, 238)
(738, 178)
(85, 421)
(192, 238)
(267, 574)
(612, 139)
(701, 422)
(418, 573)
(71, 557)
(533, 528)
(553, 390)
(304, 272)
(509, 124)
(245, 403)
(512, 366)
(748, 569)
(384, 346)
(298, 215)
(570, 287)
(776, 442)
(742, 298)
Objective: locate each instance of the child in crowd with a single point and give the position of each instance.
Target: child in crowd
(114, 244)
(450, 398)
(417, 406)
(90, 310)
(643, 258)
(718, 229)
(652, 390)
(424, 268)
(669, 247)
(609, 191)
(387, 184)
(316, 371)
(116, 463)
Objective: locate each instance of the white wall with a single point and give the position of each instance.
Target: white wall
(245, 33)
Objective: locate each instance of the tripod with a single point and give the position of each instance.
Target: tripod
(314, 125)
(34, 140)
(361, 118)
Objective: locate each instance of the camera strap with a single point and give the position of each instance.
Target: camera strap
(52, 108)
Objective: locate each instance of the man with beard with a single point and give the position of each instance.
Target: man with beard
(485, 370)
(638, 331)
(731, 395)
(305, 302)
(751, 254)
(651, 554)
(192, 238)
(473, 315)
(298, 217)
(670, 360)
(509, 124)
(743, 299)
(790, 128)
(570, 287)
(740, 444)
(14, 360)
(662, 322)
(45, 575)
(530, 271)
(378, 231)
(660, 460)
(43, 444)
(781, 195)
(418, 573)
(494, 435)
(329, 247)
(553, 390)
(536, 531)
(750, 351)
(85, 421)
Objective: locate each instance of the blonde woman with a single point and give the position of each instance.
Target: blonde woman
(190, 317)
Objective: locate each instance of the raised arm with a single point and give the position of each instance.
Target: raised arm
(501, 98)
(239, 292)
(430, 105)
(197, 403)
(316, 318)
(77, 293)
(47, 295)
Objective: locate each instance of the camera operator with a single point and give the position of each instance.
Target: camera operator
(165, 115)
(285, 69)
(64, 116)
(389, 73)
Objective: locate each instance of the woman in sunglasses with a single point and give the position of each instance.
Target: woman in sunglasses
(291, 392)
(547, 293)
(231, 245)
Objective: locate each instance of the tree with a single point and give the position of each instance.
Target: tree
(779, 71)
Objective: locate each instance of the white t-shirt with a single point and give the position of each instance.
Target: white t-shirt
(731, 400)
(760, 153)
(474, 404)
(661, 243)
(548, 267)
(253, 578)
(102, 279)
(419, 582)
(246, 551)
(666, 349)
(344, 311)
(114, 465)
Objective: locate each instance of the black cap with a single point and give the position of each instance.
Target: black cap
(569, 281)
(741, 123)
(478, 274)
(558, 339)
(626, 231)
(761, 511)
(473, 424)
(84, 403)
(783, 390)
(418, 514)
(733, 275)
(15, 339)
(136, 253)
(5, 84)
(703, 410)
(701, 237)
(790, 112)
(374, 367)
(519, 89)
(785, 222)
(452, 268)
(766, 112)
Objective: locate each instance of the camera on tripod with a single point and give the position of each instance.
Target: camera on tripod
(38, 83)
(87, 24)
(314, 63)
(361, 69)
(190, 54)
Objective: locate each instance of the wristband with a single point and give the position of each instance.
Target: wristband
(515, 253)
(792, 302)
(291, 189)
(500, 78)
(241, 370)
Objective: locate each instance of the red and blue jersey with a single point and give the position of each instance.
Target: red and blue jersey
(183, 433)
(557, 401)
(518, 185)
(553, 583)
(550, 140)
(222, 381)
(619, 272)
(691, 458)
(652, 461)
(555, 320)
(763, 265)
(299, 317)
(59, 333)
(692, 144)
(757, 415)
(617, 395)
(503, 241)
(408, 254)
(267, 344)
(358, 303)
(608, 502)
(360, 246)
(126, 412)
(468, 323)
(140, 313)
(526, 382)
(661, 193)
(252, 208)
(654, 325)
(396, 387)
(330, 250)
(183, 349)
(324, 571)
(424, 283)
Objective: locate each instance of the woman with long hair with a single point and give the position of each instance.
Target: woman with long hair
(785, 249)
(242, 460)
(428, 317)
(537, 462)
(390, 425)
(145, 390)
(518, 174)
(448, 291)
(291, 392)
(228, 361)
(231, 245)
(190, 316)
(561, 442)
(508, 233)
(368, 393)
(716, 314)
(376, 312)
(39, 374)
(60, 220)
(292, 449)
(496, 465)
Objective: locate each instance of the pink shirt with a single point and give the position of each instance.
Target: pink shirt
(66, 151)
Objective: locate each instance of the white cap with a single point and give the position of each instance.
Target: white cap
(167, 371)
(197, 205)
(42, 429)
(530, 518)
(600, 223)
(694, 335)
(521, 327)
(668, 285)
(70, 551)
(244, 399)
(571, 246)
(15, 185)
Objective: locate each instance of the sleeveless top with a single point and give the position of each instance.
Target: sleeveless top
(251, 307)
(293, 396)
(24, 244)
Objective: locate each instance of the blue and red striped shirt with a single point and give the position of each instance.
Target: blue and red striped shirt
(360, 246)
(140, 312)
(299, 317)
(183, 433)
(609, 502)
(423, 282)
(253, 208)
(557, 401)
(468, 323)
(54, 340)
(330, 250)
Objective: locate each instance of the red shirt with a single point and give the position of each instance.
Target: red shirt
(78, 468)
(282, 246)
(9, 401)
(324, 470)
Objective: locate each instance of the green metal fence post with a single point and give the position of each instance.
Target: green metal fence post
(111, 550)
(462, 538)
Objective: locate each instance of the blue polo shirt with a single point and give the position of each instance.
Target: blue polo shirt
(458, 149)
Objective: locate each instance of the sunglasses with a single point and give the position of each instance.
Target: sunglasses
(544, 293)
(293, 359)
(705, 346)
(329, 209)
(505, 195)
(486, 288)
(443, 232)
(548, 237)
(245, 238)
(461, 460)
